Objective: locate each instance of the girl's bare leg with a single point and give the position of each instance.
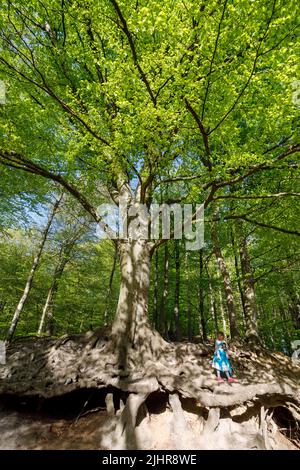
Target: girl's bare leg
(219, 376)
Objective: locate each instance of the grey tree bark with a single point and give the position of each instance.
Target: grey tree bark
(237, 270)
(106, 314)
(202, 320)
(226, 281)
(189, 305)
(163, 326)
(249, 291)
(213, 310)
(177, 291)
(294, 309)
(223, 318)
(156, 274)
(131, 330)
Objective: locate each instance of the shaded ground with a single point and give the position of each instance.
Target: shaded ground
(172, 402)
(36, 430)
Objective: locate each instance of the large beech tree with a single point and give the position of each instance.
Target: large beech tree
(134, 96)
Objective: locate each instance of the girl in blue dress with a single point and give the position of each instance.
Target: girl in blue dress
(221, 362)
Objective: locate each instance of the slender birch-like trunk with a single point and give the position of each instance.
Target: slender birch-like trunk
(47, 318)
(30, 278)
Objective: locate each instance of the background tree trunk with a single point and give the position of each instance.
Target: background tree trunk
(226, 280)
(47, 319)
(106, 314)
(213, 310)
(156, 312)
(237, 270)
(285, 333)
(177, 291)
(294, 309)
(30, 278)
(249, 293)
(224, 324)
(189, 306)
(163, 327)
(202, 321)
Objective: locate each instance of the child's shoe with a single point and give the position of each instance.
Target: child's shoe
(231, 380)
(220, 380)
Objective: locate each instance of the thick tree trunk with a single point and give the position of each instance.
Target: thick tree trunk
(202, 321)
(30, 278)
(131, 332)
(177, 291)
(227, 282)
(249, 293)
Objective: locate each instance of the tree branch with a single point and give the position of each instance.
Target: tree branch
(256, 196)
(53, 95)
(212, 59)
(203, 132)
(133, 49)
(16, 160)
(261, 224)
(261, 166)
(252, 72)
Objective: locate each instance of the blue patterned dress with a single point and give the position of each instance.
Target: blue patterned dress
(220, 360)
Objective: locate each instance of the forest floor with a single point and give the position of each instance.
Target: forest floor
(70, 393)
(31, 430)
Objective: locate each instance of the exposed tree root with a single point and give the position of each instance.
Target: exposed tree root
(221, 414)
